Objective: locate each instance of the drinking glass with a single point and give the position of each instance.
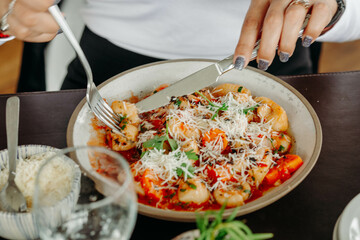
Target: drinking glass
(99, 201)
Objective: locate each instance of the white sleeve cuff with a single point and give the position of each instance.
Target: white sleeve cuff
(348, 26)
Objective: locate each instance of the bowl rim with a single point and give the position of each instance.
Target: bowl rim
(186, 216)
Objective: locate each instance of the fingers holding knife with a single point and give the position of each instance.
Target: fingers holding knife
(276, 25)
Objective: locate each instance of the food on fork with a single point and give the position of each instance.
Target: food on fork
(4, 35)
(213, 147)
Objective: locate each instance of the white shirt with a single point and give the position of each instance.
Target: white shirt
(171, 29)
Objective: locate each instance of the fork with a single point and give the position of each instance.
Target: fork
(96, 103)
(11, 198)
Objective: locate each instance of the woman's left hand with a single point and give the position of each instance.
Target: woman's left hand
(279, 23)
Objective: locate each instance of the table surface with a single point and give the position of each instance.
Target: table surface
(309, 211)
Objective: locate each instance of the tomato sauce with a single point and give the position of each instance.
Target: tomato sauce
(172, 203)
(131, 155)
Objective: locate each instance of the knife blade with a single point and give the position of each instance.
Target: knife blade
(196, 81)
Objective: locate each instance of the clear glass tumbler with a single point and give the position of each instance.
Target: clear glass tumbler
(83, 202)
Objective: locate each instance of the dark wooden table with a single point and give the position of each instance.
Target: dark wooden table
(308, 212)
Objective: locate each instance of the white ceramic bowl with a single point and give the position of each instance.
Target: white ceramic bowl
(347, 226)
(304, 123)
(22, 225)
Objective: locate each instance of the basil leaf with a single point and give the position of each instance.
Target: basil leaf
(156, 142)
(143, 154)
(172, 144)
(191, 170)
(179, 172)
(191, 155)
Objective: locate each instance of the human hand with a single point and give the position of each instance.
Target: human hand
(280, 22)
(30, 20)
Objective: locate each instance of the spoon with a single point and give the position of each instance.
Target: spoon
(11, 199)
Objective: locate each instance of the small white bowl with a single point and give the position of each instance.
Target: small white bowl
(22, 225)
(347, 226)
(4, 40)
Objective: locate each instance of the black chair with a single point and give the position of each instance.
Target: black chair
(32, 72)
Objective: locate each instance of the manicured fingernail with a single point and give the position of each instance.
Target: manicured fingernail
(239, 63)
(263, 64)
(60, 31)
(284, 56)
(307, 41)
(56, 2)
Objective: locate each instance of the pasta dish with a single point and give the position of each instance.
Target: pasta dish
(213, 147)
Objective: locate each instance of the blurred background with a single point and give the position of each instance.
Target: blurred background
(331, 57)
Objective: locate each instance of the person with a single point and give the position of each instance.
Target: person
(123, 34)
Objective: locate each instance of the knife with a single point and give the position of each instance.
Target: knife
(196, 81)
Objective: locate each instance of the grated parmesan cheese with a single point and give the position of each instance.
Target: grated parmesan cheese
(55, 182)
(165, 165)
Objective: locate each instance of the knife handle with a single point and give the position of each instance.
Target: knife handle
(227, 64)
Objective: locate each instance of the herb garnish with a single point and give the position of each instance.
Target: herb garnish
(181, 173)
(281, 148)
(246, 110)
(228, 229)
(191, 155)
(178, 102)
(193, 186)
(272, 144)
(170, 196)
(123, 121)
(240, 88)
(143, 154)
(142, 128)
(240, 187)
(214, 107)
(158, 141)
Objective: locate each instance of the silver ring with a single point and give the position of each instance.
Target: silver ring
(305, 3)
(4, 26)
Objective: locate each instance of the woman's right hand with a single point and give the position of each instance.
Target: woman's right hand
(30, 20)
